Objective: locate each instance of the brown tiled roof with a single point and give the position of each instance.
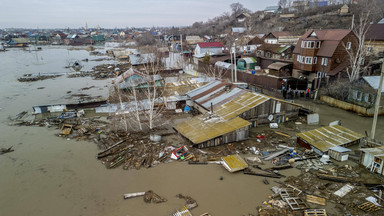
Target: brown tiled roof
(330, 40)
(256, 40)
(375, 32)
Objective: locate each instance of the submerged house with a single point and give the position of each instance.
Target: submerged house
(323, 140)
(363, 94)
(228, 112)
(18, 42)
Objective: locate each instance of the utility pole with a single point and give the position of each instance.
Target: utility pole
(235, 65)
(377, 104)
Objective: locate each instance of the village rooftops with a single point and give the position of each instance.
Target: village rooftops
(325, 138)
(210, 44)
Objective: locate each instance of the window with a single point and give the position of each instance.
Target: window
(298, 58)
(321, 74)
(369, 49)
(354, 94)
(324, 61)
(315, 60)
(348, 46)
(366, 98)
(308, 60)
(359, 95)
(302, 59)
(268, 54)
(318, 44)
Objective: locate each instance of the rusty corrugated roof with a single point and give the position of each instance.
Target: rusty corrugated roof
(207, 126)
(325, 138)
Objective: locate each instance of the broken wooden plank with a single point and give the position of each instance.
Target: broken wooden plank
(344, 190)
(315, 199)
(132, 195)
(282, 134)
(250, 172)
(337, 178)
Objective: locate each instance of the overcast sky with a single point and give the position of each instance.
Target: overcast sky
(115, 13)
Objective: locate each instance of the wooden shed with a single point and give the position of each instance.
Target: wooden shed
(339, 153)
(373, 159)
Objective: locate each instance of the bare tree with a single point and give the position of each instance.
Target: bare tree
(283, 3)
(358, 52)
(153, 92)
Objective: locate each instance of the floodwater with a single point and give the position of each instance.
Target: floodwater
(48, 175)
(348, 119)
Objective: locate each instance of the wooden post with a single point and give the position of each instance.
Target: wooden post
(377, 104)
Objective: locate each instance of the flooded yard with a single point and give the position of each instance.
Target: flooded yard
(49, 175)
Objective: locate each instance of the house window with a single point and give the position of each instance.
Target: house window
(348, 46)
(320, 74)
(311, 44)
(308, 60)
(324, 61)
(366, 98)
(315, 60)
(359, 95)
(354, 94)
(369, 49)
(268, 54)
(298, 58)
(318, 44)
(302, 44)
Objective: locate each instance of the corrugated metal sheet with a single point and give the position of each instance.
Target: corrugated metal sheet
(240, 104)
(234, 163)
(203, 128)
(221, 97)
(203, 88)
(327, 137)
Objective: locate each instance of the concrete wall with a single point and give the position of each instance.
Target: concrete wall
(350, 107)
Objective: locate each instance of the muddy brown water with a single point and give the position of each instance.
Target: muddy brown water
(48, 175)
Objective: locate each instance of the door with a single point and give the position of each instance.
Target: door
(278, 107)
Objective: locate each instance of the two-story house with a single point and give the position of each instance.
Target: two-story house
(374, 39)
(322, 53)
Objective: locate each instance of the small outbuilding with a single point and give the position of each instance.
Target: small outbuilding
(248, 63)
(373, 158)
(339, 153)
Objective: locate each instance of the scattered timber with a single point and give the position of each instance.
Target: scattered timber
(337, 178)
(280, 167)
(270, 175)
(105, 154)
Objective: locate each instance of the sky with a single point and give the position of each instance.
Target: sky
(115, 13)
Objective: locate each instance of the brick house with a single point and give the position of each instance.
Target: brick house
(322, 53)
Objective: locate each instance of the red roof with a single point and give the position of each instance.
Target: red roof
(210, 44)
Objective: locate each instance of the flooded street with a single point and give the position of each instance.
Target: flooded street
(49, 175)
